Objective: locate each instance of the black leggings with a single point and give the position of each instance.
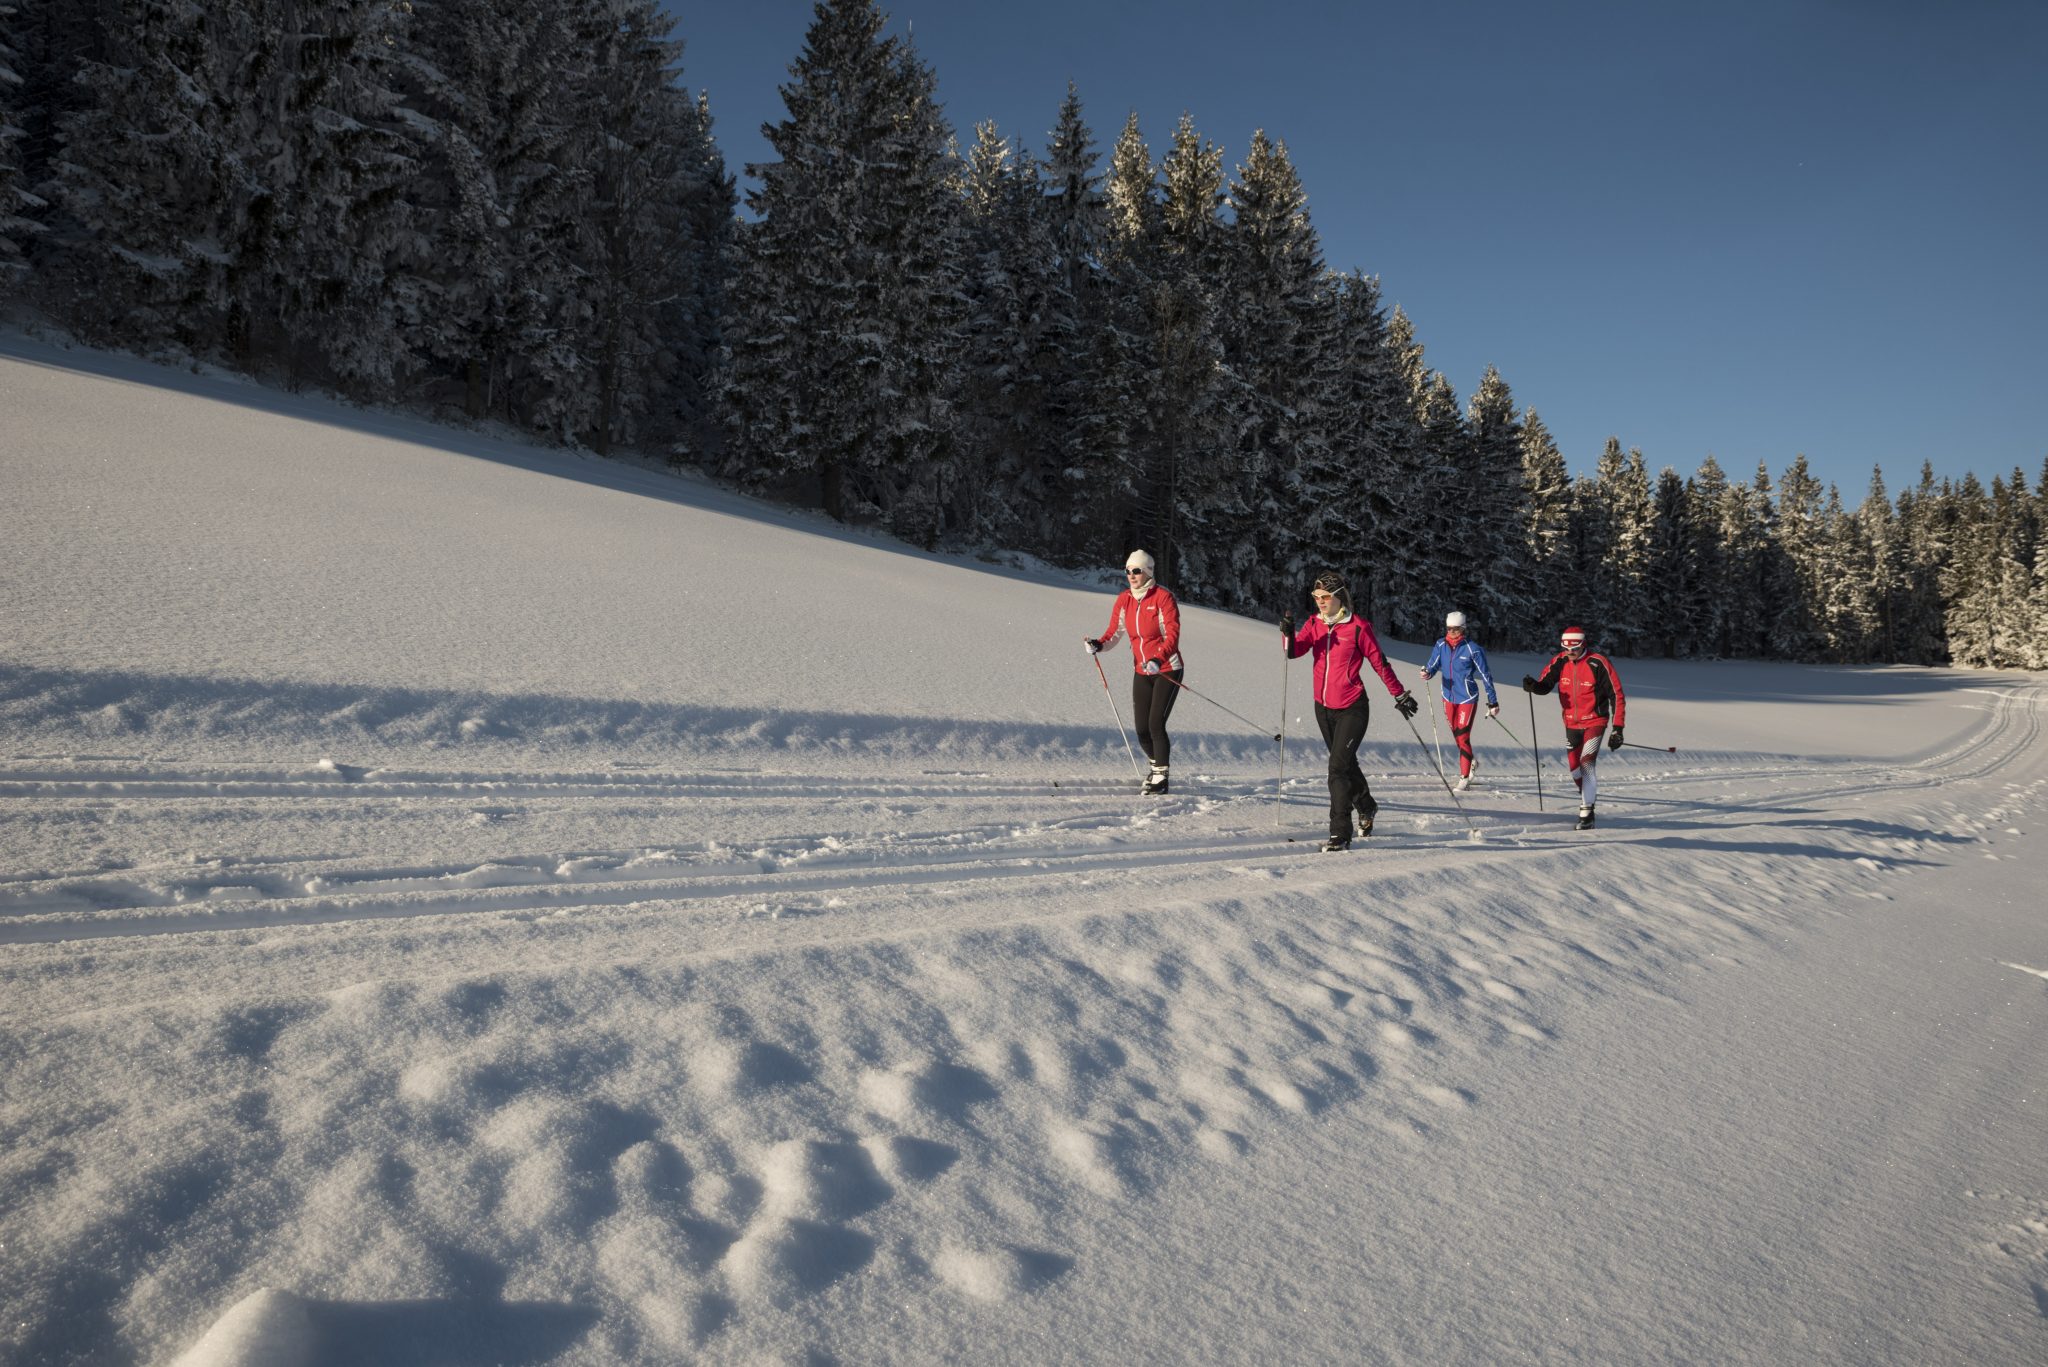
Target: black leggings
(1152, 699)
(1343, 728)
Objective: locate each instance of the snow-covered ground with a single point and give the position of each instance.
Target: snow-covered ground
(463, 903)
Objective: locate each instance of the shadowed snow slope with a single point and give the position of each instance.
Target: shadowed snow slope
(465, 903)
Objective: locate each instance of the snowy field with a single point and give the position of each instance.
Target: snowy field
(461, 903)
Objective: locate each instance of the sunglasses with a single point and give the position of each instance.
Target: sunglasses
(1571, 645)
(1134, 574)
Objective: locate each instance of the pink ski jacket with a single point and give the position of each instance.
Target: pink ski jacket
(1340, 651)
(1152, 623)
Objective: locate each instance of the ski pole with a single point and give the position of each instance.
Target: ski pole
(1219, 706)
(1504, 726)
(1435, 707)
(1280, 787)
(1663, 749)
(1440, 776)
(1535, 757)
(1118, 715)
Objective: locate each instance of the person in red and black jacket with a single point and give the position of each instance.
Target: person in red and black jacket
(1147, 614)
(1590, 692)
(1343, 644)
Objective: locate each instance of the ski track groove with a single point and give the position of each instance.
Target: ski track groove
(258, 895)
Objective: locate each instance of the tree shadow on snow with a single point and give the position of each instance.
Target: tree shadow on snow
(110, 711)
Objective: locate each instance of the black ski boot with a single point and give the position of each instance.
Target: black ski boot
(1335, 844)
(1365, 811)
(1585, 819)
(1155, 782)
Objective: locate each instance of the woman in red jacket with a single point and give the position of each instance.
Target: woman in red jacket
(1147, 614)
(1343, 644)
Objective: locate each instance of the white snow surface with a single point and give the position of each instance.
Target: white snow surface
(468, 903)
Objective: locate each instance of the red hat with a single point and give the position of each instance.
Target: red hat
(1573, 636)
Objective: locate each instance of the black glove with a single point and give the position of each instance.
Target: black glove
(1287, 624)
(1094, 646)
(1614, 741)
(1528, 683)
(1406, 705)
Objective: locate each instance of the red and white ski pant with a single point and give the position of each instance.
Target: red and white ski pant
(1462, 715)
(1584, 759)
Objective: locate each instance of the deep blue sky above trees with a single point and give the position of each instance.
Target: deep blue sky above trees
(1747, 228)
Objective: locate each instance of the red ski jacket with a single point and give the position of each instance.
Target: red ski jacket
(1588, 688)
(1152, 623)
(1340, 652)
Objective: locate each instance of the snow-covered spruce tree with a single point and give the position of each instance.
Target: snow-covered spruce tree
(1796, 628)
(1926, 531)
(1192, 464)
(232, 184)
(2037, 618)
(1091, 380)
(1879, 529)
(1411, 542)
(1617, 512)
(51, 44)
(1753, 578)
(1674, 628)
(1706, 493)
(141, 175)
(694, 318)
(1276, 320)
(1073, 196)
(1010, 277)
(2037, 609)
(2010, 578)
(311, 290)
(1446, 441)
(651, 238)
(1492, 575)
(1969, 582)
(16, 202)
(1545, 534)
(1345, 510)
(493, 86)
(844, 323)
(1847, 579)
(1126, 352)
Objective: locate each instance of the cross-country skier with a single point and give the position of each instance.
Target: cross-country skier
(1148, 614)
(1590, 692)
(1342, 644)
(1463, 664)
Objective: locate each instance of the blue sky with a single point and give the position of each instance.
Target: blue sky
(1752, 229)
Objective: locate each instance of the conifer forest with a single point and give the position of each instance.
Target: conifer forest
(516, 212)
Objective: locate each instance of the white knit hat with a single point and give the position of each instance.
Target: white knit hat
(1140, 560)
(1454, 621)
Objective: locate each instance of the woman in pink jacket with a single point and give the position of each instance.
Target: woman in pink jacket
(1147, 614)
(1343, 644)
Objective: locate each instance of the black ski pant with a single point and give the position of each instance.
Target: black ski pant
(1152, 699)
(1343, 729)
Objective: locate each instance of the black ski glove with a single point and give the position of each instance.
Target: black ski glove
(1406, 705)
(1094, 646)
(1287, 625)
(1614, 741)
(1528, 683)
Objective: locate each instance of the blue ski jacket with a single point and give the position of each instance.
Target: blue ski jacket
(1464, 670)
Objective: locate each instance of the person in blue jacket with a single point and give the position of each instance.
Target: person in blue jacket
(1463, 664)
